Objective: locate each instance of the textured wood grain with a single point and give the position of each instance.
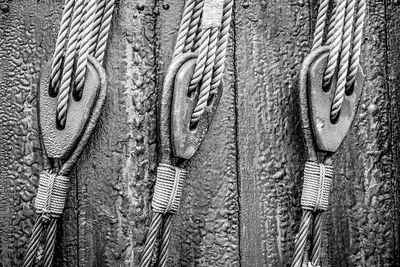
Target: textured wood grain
(241, 200)
(206, 231)
(361, 225)
(28, 31)
(272, 39)
(393, 78)
(115, 174)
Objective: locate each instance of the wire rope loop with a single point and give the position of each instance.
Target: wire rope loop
(84, 30)
(344, 36)
(212, 19)
(84, 25)
(85, 36)
(69, 62)
(329, 74)
(344, 60)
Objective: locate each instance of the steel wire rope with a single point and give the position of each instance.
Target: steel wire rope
(85, 37)
(345, 51)
(222, 47)
(344, 36)
(206, 75)
(320, 25)
(194, 31)
(211, 58)
(184, 27)
(105, 26)
(83, 30)
(336, 42)
(151, 239)
(59, 51)
(101, 4)
(165, 240)
(210, 45)
(68, 66)
(357, 41)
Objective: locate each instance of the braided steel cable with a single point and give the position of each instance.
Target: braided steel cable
(60, 46)
(206, 77)
(356, 45)
(165, 240)
(169, 184)
(320, 25)
(316, 238)
(200, 61)
(197, 39)
(336, 42)
(344, 60)
(184, 27)
(39, 256)
(301, 240)
(50, 243)
(331, 26)
(222, 46)
(85, 37)
(30, 254)
(104, 31)
(96, 25)
(79, 37)
(344, 45)
(65, 87)
(151, 239)
(194, 27)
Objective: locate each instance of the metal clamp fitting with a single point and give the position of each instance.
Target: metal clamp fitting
(60, 143)
(316, 103)
(176, 134)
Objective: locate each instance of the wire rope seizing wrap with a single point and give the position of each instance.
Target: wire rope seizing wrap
(51, 195)
(168, 188)
(316, 186)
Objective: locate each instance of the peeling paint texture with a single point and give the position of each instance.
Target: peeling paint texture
(240, 204)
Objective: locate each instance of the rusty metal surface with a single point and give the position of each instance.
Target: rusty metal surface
(246, 175)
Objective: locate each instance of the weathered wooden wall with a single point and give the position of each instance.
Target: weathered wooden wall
(241, 202)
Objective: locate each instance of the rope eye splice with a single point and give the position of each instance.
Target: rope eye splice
(72, 92)
(191, 92)
(331, 84)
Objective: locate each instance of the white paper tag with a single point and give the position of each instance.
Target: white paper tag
(212, 13)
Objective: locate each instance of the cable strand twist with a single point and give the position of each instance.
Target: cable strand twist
(356, 45)
(336, 42)
(222, 47)
(344, 60)
(59, 51)
(69, 61)
(85, 37)
(320, 25)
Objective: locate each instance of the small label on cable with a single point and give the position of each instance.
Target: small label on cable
(212, 13)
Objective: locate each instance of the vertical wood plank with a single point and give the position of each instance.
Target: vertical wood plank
(272, 37)
(116, 170)
(361, 224)
(393, 79)
(28, 30)
(255, 137)
(206, 231)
